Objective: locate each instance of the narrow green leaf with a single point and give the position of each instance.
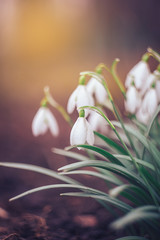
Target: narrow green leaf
(139, 161)
(103, 152)
(111, 143)
(95, 174)
(147, 143)
(38, 169)
(117, 203)
(132, 177)
(133, 216)
(132, 238)
(90, 191)
(74, 155)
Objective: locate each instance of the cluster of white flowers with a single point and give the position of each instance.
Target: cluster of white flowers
(82, 130)
(83, 95)
(143, 91)
(142, 99)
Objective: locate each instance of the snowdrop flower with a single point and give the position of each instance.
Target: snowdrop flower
(157, 74)
(158, 90)
(150, 102)
(43, 121)
(153, 79)
(148, 107)
(80, 97)
(133, 100)
(81, 132)
(97, 122)
(94, 87)
(143, 117)
(138, 74)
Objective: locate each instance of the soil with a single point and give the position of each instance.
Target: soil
(44, 215)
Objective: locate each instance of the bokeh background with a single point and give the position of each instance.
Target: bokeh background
(48, 42)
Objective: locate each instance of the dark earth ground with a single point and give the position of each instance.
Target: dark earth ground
(43, 215)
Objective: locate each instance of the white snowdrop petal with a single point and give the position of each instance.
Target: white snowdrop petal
(78, 132)
(95, 87)
(100, 93)
(142, 117)
(150, 102)
(97, 122)
(83, 97)
(158, 90)
(151, 78)
(133, 100)
(91, 86)
(52, 122)
(37, 122)
(139, 74)
(90, 134)
(72, 101)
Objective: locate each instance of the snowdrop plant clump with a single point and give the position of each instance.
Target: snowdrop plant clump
(129, 158)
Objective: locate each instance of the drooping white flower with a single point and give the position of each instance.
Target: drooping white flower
(79, 98)
(153, 79)
(97, 122)
(148, 107)
(44, 120)
(138, 74)
(94, 87)
(150, 102)
(143, 117)
(81, 132)
(157, 74)
(133, 100)
(158, 90)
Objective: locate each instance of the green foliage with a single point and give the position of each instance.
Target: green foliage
(132, 167)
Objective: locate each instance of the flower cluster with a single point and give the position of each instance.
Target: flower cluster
(143, 91)
(82, 131)
(142, 96)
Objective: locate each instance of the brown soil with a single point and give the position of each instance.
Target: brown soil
(43, 215)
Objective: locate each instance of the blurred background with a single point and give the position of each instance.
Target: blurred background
(48, 42)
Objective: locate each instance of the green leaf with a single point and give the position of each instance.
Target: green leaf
(117, 203)
(134, 193)
(147, 143)
(38, 169)
(132, 177)
(132, 238)
(135, 215)
(90, 191)
(95, 174)
(74, 155)
(111, 143)
(103, 152)
(139, 161)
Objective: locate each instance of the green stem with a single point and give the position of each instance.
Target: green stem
(154, 54)
(116, 78)
(113, 72)
(56, 105)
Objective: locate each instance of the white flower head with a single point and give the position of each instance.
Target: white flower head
(157, 74)
(94, 87)
(148, 106)
(138, 74)
(150, 102)
(133, 100)
(153, 78)
(81, 132)
(44, 120)
(79, 98)
(143, 117)
(97, 122)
